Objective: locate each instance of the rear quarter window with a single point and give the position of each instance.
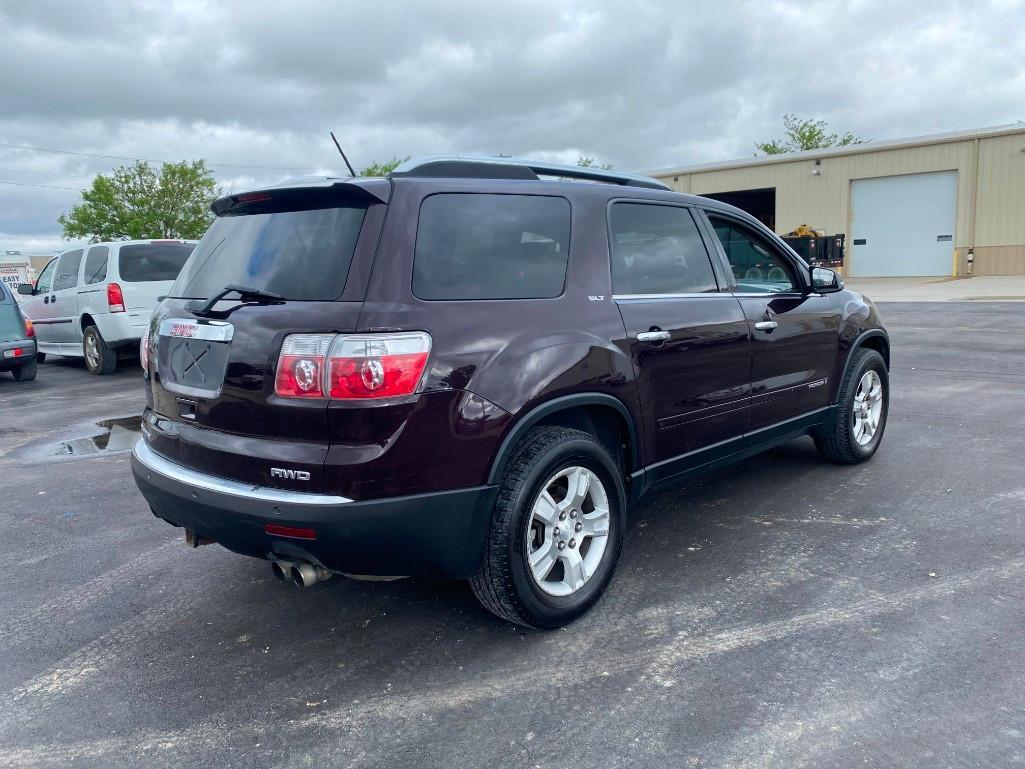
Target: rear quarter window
(486, 246)
(152, 261)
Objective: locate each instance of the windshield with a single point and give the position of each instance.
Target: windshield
(150, 261)
(300, 255)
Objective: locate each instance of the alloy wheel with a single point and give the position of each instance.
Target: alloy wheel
(867, 408)
(568, 531)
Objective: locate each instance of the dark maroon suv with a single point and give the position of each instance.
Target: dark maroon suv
(468, 371)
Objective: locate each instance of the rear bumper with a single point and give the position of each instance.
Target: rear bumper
(438, 535)
(28, 355)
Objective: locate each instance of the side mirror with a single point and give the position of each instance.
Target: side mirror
(26, 289)
(825, 281)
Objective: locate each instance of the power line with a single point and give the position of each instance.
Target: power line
(46, 186)
(42, 173)
(151, 160)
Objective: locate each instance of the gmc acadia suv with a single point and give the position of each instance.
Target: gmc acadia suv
(467, 371)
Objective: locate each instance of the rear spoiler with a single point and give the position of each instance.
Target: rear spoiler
(301, 192)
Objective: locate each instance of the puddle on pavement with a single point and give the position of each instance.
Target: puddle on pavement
(117, 435)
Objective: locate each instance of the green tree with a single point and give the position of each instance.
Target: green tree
(806, 134)
(382, 169)
(138, 202)
(591, 163)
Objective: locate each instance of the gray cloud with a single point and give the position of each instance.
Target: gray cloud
(639, 84)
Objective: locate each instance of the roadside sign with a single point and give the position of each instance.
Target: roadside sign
(13, 275)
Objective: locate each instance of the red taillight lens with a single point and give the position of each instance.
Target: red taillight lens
(300, 372)
(115, 299)
(351, 366)
(295, 532)
(30, 330)
(377, 365)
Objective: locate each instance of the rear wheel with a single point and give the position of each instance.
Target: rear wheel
(853, 433)
(25, 373)
(556, 530)
(99, 358)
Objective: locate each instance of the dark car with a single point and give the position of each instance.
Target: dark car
(466, 371)
(17, 339)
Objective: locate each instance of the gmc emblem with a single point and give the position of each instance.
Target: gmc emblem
(183, 329)
(292, 475)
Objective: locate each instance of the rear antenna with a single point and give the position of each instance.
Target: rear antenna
(342, 153)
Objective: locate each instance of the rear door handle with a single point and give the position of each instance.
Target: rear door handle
(766, 325)
(652, 336)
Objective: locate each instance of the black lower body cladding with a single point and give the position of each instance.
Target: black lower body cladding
(438, 535)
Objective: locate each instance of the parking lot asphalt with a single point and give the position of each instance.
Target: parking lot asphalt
(779, 613)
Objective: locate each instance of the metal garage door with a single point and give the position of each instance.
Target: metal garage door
(903, 225)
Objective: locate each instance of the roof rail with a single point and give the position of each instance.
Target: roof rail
(471, 167)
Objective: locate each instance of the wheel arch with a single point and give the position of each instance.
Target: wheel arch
(603, 415)
(873, 339)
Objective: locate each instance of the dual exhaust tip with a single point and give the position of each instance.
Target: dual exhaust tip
(300, 573)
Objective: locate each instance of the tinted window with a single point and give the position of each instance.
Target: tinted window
(658, 250)
(67, 270)
(491, 247)
(152, 261)
(301, 255)
(758, 269)
(45, 278)
(11, 326)
(96, 265)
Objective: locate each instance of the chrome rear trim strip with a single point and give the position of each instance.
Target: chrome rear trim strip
(155, 463)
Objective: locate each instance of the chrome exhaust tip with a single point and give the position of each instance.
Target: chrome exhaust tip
(282, 570)
(306, 574)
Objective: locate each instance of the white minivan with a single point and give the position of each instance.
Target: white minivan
(91, 302)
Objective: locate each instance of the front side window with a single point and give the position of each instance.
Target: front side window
(482, 246)
(96, 265)
(45, 279)
(757, 268)
(67, 270)
(658, 250)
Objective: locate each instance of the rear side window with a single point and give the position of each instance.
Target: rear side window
(482, 246)
(301, 255)
(96, 265)
(11, 326)
(152, 261)
(658, 250)
(67, 270)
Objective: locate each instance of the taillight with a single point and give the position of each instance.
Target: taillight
(301, 366)
(377, 365)
(144, 351)
(115, 299)
(30, 330)
(351, 366)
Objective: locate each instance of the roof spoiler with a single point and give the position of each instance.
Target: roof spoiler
(295, 190)
(471, 167)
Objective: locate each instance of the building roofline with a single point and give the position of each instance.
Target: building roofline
(850, 149)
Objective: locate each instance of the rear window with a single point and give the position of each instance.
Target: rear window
(478, 246)
(301, 255)
(152, 261)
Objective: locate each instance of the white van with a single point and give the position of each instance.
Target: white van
(93, 301)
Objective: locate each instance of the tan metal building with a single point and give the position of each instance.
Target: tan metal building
(948, 204)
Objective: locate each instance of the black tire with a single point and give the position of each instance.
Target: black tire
(504, 583)
(25, 373)
(105, 361)
(40, 357)
(835, 439)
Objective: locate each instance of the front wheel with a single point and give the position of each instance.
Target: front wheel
(853, 433)
(556, 530)
(99, 358)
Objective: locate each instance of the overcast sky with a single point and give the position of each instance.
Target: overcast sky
(642, 85)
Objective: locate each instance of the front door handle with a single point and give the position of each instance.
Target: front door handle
(652, 336)
(766, 325)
